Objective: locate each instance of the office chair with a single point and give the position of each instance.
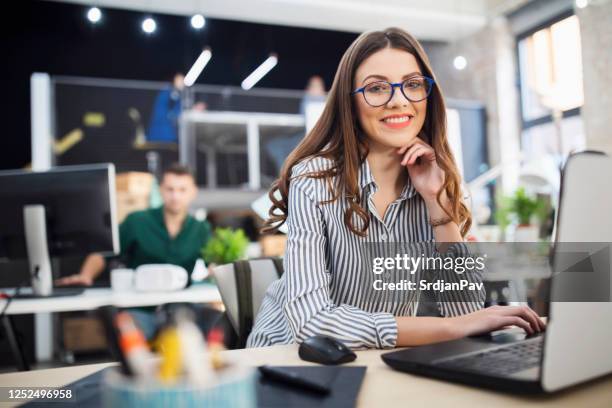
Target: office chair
(243, 285)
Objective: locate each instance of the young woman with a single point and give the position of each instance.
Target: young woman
(377, 167)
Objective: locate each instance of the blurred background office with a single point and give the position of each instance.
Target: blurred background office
(229, 87)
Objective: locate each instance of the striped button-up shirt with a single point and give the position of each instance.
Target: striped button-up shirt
(320, 291)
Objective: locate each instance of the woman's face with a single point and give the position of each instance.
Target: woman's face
(399, 121)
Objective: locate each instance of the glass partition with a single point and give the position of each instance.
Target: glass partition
(137, 125)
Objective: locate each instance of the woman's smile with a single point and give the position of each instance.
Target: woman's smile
(397, 121)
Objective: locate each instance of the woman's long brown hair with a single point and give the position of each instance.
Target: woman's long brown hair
(337, 136)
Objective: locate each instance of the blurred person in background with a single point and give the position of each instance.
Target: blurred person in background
(315, 91)
(163, 235)
(163, 126)
(314, 98)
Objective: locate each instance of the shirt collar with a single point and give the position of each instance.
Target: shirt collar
(159, 215)
(366, 180)
(365, 175)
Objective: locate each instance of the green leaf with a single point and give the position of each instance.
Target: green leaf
(521, 207)
(225, 246)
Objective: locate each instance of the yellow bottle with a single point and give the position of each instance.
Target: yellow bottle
(168, 343)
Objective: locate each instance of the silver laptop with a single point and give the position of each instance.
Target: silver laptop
(577, 345)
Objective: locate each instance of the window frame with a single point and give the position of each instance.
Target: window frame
(526, 124)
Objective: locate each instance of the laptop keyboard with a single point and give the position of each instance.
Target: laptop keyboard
(501, 361)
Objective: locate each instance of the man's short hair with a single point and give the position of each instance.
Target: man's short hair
(178, 170)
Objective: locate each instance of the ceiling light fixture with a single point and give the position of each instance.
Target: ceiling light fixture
(198, 66)
(259, 72)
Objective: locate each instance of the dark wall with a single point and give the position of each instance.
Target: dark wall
(45, 36)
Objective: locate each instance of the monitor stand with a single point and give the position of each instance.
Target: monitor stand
(35, 227)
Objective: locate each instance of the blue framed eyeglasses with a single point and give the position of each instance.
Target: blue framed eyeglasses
(379, 93)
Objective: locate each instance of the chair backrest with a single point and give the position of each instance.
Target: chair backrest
(243, 285)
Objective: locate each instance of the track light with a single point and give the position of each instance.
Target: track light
(149, 25)
(460, 62)
(198, 21)
(94, 15)
(198, 66)
(259, 72)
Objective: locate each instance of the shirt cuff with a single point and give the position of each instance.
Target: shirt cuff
(455, 249)
(386, 328)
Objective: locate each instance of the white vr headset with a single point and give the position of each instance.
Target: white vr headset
(160, 278)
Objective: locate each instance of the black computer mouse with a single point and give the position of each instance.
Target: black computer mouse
(325, 350)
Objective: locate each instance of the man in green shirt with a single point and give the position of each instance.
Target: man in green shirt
(145, 239)
(167, 235)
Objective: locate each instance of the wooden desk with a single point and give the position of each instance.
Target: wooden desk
(382, 386)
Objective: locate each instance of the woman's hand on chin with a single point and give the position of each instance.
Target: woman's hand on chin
(425, 174)
(496, 318)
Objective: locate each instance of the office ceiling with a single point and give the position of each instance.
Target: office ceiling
(438, 20)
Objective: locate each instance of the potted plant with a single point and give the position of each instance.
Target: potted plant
(225, 246)
(522, 209)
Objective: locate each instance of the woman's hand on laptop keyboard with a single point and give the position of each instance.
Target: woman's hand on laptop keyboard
(496, 318)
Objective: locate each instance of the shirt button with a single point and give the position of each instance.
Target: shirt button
(383, 237)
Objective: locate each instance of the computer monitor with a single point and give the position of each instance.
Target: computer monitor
(65, 211)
